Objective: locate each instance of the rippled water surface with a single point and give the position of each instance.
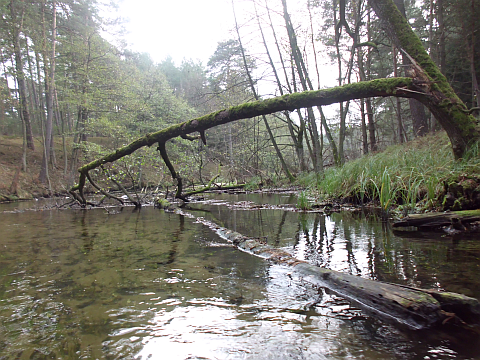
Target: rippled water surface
(149, 284)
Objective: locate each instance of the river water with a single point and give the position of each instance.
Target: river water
(148, 284)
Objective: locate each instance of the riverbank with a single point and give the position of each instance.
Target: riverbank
(414, 177)
(421, 175)
(23, 185)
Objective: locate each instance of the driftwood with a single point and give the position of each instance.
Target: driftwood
(457, 220)
(406, 306)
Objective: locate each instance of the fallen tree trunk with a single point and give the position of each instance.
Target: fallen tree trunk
(457, 219)
(405, 306)
(428, 85)
(402, 87)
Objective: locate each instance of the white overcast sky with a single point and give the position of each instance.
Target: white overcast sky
(191, 29)
(187, 29)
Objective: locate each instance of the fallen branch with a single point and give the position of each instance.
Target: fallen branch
(435, 220)
(206, 187)
(105, 193)
(290, 102)
(230, 187)
(122, 189)
(411, 307)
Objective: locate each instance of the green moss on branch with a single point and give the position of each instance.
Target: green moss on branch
(290, 102)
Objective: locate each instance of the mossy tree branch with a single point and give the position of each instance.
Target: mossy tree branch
(175, 176)
(402, 87)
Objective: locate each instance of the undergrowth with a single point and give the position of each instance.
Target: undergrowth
(401, 175)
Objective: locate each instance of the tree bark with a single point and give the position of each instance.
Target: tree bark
(364, 128)
(441, 100)
(399, 105)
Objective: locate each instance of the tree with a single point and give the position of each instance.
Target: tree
(17, 21)
(49, 91)
(296, 132)
(435, 91)
(419, 118)
(427, 84)
(290, 177)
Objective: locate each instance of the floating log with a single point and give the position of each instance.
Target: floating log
(458, 220)
(405, 306)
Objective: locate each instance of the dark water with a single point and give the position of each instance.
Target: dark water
(149, 284)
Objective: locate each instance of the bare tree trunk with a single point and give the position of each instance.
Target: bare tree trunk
(20, 75)
(399, 104)
(441, 40)
(469, 36)
(296, 138)
(285, 169)
(49, 91)
(307, 85)
(364, 76)
(419, 118)
(371, 125)
(364, 128)
(63, 133)
(341, 135)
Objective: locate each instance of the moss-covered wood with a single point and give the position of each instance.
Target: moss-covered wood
(398, 304)
(290, 102)
(439, 96)
(206, 187)
(458, 220)
(428, 85)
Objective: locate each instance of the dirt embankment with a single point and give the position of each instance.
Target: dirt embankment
(16, 184)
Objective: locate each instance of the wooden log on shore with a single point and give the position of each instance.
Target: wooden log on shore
(405, 306)
(458, 220)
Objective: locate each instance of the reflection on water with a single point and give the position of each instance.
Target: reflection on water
(364, 246)
(147, 284)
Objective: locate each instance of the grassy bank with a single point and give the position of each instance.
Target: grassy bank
(421, 174)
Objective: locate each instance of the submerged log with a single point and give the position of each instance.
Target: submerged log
(458, 220)
(406, 306)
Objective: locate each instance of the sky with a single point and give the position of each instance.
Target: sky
(191, 29)
(181, 29)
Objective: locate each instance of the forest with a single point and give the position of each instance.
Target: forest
(340, 139)
(77, 97)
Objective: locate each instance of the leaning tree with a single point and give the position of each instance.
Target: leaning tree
(426, 84)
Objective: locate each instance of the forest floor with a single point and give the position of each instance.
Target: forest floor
(28, 185)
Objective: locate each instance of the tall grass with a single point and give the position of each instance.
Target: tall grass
(402, 174)
(385, 192)
(302, 201)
